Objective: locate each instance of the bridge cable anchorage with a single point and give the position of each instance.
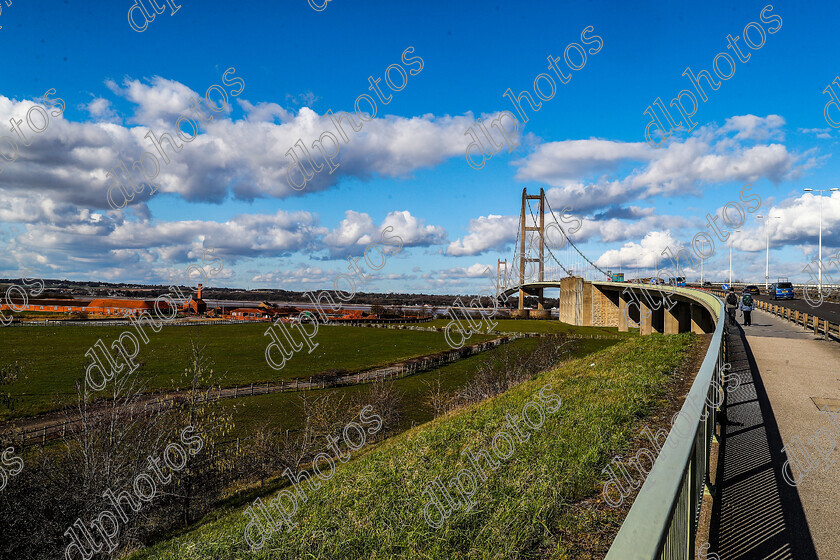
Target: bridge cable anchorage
(599, 269)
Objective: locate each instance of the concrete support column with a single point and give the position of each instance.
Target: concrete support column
(645, 318)
(586, 301)
(697, 319)
(622, 314)
(672, 320)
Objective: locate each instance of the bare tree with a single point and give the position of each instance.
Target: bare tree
(439, 400)
(386, 400)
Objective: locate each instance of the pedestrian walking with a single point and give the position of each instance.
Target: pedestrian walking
(731, 305)
(747, 305)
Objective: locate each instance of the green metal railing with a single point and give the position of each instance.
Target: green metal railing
(662, 524)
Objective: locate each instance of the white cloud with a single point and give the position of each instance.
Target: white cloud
(751, 127)
(301, 275)
(486, 232)
(645, 254)
(558, 163)
(711, 155)
(357, 230)
(100, 109)
(244, 157)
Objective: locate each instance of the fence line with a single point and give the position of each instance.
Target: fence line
(182, 322)
(396, 371)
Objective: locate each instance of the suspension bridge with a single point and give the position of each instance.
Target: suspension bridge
(718, 490)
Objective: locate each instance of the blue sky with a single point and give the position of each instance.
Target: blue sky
(227, 189)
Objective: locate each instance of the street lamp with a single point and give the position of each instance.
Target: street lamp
(730, 256)
(767, 240)
(819, 258)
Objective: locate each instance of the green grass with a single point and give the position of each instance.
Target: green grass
(54, 357)
(534, 326)
(373, 507)
(283, 409)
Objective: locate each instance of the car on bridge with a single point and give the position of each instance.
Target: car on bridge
(781, 290)
(752, 289)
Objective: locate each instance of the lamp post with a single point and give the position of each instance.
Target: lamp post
(730, 256)
(767, 241)
(819, 257)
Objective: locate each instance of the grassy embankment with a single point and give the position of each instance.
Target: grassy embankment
(284, 409)
(373, 507)
(53, 358)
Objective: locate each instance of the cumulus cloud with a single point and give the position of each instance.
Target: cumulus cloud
(100, 109)
(244, 157)
(751, 127)
(476, 270)
(711, 155)
(486, 233)
(798, 221)
(114, 242)
(558, 163)
(645, 254)
(357, 230)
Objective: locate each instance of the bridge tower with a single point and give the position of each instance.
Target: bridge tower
(501, 277)
(523, 229)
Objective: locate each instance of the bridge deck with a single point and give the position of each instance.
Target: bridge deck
(757, 513)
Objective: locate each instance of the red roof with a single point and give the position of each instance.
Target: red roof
(126, 304)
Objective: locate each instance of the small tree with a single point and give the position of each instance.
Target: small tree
(377, 310)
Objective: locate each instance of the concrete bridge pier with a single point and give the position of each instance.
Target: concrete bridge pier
(701, 323)
(672, 319)
(623, 312)
(624, 305)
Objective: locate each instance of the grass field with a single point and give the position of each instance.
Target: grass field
(283, 409)
(373, 506)
(53, 358)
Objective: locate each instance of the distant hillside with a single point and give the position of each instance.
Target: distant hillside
(89, 289)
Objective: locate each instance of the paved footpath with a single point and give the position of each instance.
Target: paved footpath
(759, 514)
(796, 366)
